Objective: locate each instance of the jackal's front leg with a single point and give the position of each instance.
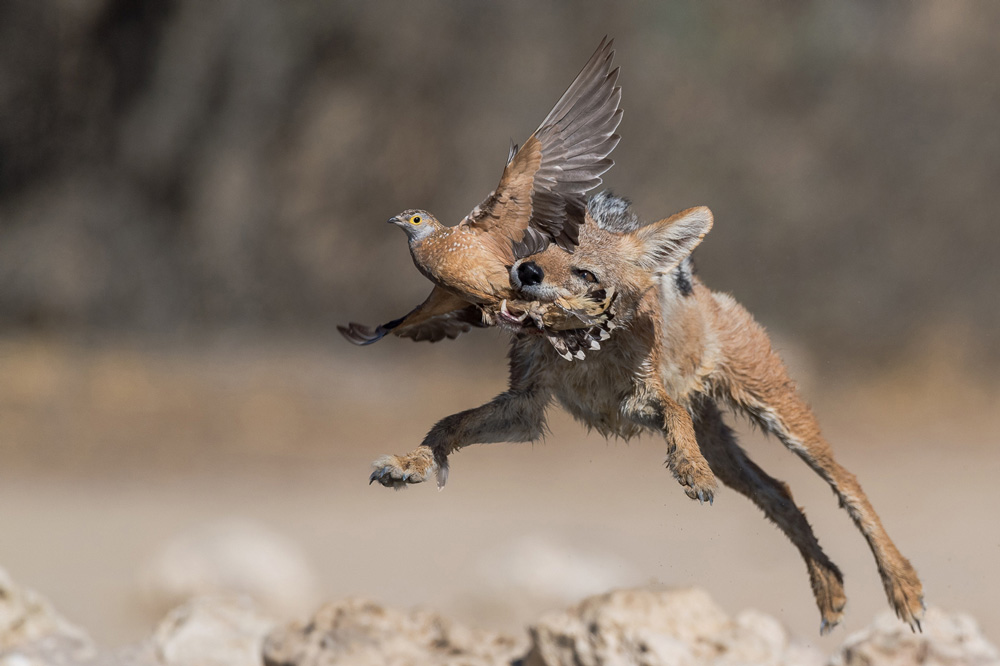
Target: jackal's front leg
(514, 416)
(684, 456)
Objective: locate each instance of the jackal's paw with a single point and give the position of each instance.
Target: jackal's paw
(831, 618)
(398, 471)
(906, 595)
(828, 588)
(697, 480)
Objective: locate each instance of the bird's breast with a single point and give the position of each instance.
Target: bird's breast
(458, 260)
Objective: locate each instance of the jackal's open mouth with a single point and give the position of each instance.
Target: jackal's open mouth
(512, 315)
(572, 325)
(515, 317)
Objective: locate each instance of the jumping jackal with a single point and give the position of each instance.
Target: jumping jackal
(679, 354)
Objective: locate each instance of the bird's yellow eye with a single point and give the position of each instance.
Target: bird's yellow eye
(415, 219)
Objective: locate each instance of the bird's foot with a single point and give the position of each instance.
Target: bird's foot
(399, 471)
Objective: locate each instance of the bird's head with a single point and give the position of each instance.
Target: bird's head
(418, 224)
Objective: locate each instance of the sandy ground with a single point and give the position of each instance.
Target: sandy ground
(110, 450)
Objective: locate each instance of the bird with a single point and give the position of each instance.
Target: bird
(572, 325)
(541, 199)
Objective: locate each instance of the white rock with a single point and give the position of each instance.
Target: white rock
(356, 632)
(946, 640)
(648, 627)
(32, 633)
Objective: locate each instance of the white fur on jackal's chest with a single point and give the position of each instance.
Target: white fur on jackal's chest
(610, 390)
(605, 391)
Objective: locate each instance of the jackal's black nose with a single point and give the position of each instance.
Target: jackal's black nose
(530, 273)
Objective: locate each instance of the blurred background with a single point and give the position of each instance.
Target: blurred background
(193, 195)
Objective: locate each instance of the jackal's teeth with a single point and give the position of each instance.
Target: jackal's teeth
(580, 355)
(604, 334)
(506, 312)
(594, 344)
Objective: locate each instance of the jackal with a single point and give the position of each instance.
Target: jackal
(678, 355)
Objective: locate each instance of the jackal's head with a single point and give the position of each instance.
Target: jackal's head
(616, 254)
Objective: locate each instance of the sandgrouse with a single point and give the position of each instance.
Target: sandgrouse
(541, 198)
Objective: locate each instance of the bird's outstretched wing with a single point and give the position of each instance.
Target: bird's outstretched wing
(442, 315)
(544, 185)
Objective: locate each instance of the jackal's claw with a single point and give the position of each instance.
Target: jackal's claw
(697, 491)
(906, 596)
(399, 471)
(912, 615)
(826, 627)
(701, 494)
(390, 478)
(694, 475)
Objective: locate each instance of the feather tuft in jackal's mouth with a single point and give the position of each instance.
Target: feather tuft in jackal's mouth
(572, 326)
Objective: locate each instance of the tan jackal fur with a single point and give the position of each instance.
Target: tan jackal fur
(679, 353)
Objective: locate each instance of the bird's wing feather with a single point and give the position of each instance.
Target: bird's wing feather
(442, 315)
(543, 188)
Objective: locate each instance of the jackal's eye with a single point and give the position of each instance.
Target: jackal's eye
(585, 275)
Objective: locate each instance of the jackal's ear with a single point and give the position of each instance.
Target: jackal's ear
(666, 243)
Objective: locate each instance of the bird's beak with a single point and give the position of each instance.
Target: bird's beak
(394, 220)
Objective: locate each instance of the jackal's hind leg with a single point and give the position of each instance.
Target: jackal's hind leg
(514, 416)
(732, 466)
(791, 421)
(684, 456)
(757, 383)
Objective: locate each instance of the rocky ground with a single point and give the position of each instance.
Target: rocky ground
(642, 626)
